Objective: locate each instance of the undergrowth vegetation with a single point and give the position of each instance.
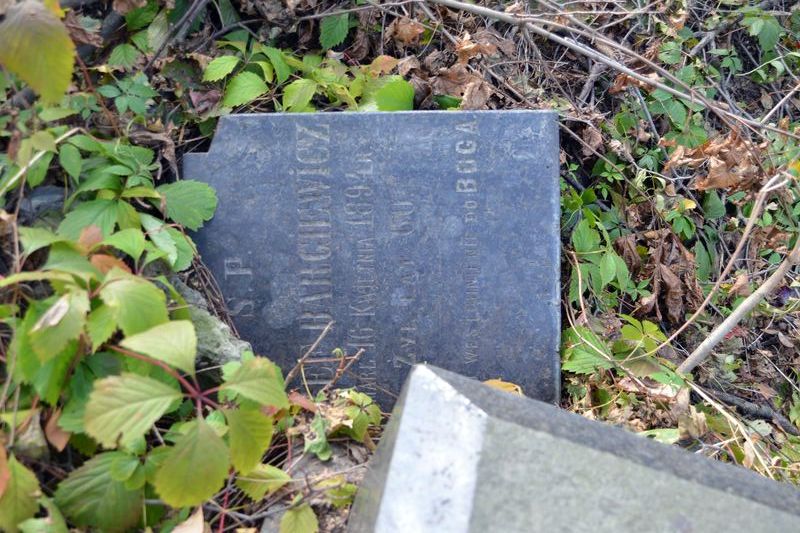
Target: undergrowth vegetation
(679, 206)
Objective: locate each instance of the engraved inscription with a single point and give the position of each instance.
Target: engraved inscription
(314, 243)
(467, 185)
(240, 278)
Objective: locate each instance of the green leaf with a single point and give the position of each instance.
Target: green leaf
(36, 46)
(100, 213)
(584, 238)
(395, 95)
(250, 436)
(220, 67)
(138, 305)
(174, 342)
(608, 268)
(189, 202)
(36, 238)
(158, 233)
(130, 241)
(18, 501)
(39, 169)
(317, 442)
(123, 55)
(70, 160)
(713, 207)
(282, 70)
(61, 323)
(261, 481)
(195, 468)
(53, 523)
(90, 497)
(184, 249)
(100, 325)
(259, 380)
(43, 141)
(300, 519)
(298, 94)
(126, 406)
(243, 88)
(333, 30)
(584, 352)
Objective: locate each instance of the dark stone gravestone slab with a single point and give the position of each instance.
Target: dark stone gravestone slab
(458, 456)
(426, 237)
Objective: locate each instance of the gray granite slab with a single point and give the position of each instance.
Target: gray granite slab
(426, 237)
(458, 456)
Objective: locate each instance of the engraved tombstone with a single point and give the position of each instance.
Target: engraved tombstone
(426, 237)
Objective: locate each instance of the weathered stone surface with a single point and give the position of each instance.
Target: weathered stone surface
(458, 456)
(426, 237)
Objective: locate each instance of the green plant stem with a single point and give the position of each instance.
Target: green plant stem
(21, 172)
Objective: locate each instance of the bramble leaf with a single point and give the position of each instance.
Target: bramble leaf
(189, 202)
(220, 67)
(126, 406)
(333, 30)
(250, 433)
(243, 88)
(138, 305)
(259, 380)
(35, 45)
(300, 519)
(194, 468)
(91, 497)
(174, 342)
(18, 500)
(261, 481)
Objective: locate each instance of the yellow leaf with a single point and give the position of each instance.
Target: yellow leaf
(35, 46)
(505, 386)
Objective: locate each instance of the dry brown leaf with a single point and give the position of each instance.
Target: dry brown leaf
(382, 65)
(653, 390)
(90, 235)
(124, 6)
(593, 140)
(623, 81)
(459, 82)
(57, 437)
(467, 48)
(295, 398)
(504, 386)
(692, 424)
(405, 31)
(104, 263)
(79, 34)
(407, 64)
(741, 286)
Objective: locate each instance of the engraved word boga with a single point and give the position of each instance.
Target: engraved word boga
(426, 237)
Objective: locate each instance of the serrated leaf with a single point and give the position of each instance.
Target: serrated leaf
(195, 468)
(298, 94)
(184, 249)
(61, 323)
(259, 380)
(282, 70)
(36, 238)
(158, 233)
(395, 95)
(333, 30)
(126, 407)
(243, 88)
(130, 241)
(608, 268)
(300, 519)
(189, 202)
(138, 305)
(100, 213)
(70, 160)
(90, 497)
(123, 55)
(18, 500)
(174, 342)
(36, 46)
(52, 523)
(250, 433)
(263, 480)
(220, 67)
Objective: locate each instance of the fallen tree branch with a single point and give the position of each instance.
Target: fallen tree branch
(763, 412)
(716, 336)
